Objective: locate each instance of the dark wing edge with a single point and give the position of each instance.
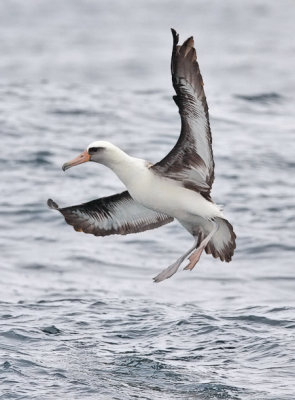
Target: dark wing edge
(117, 214)
(191, 159)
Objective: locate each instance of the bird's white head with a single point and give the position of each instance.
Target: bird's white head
(100, 151)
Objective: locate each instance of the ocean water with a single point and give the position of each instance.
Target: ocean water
(80, 317)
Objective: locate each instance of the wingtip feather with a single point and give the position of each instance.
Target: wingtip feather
(52, 204)
(175, 36)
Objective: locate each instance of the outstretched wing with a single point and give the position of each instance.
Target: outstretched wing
(118, 214)
(191, 159)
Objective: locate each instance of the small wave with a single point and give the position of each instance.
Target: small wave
(148, 91)
(261, 250)
(280, 309)
(12, 334)
(51, 330)
(34, 266)
(143, 362)
(6, 364)
(262, 98)
(36, 159)
(258, 319)
(74, 112)
(66, 300)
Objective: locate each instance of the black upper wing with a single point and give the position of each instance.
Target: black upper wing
(191, 159)
(117, 214)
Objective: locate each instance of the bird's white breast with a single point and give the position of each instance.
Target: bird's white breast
(168, 196)
(159, 193)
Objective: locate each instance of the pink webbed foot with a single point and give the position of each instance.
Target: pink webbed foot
(194, 258)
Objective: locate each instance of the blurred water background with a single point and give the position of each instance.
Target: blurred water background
(79, 316)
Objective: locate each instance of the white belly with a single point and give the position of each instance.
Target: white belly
(167, 196)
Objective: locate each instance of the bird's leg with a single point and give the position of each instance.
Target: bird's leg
(195, 256)
(168, 272)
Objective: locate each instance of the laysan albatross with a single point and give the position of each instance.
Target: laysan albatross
(177, 187)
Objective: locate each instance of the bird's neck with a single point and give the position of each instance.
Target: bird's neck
(124, 166)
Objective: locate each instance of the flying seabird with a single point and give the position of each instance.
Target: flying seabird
(177, 187)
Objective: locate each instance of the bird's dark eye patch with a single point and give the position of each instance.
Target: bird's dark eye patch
(94, 150)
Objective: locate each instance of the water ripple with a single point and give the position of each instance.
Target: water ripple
(79, 315)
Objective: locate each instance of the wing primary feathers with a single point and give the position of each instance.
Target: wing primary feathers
(175, 37)
(52, 204)
(116, 214)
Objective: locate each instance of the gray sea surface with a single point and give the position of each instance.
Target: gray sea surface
(80, 317)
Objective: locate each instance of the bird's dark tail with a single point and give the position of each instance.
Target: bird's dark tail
(223, 242)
